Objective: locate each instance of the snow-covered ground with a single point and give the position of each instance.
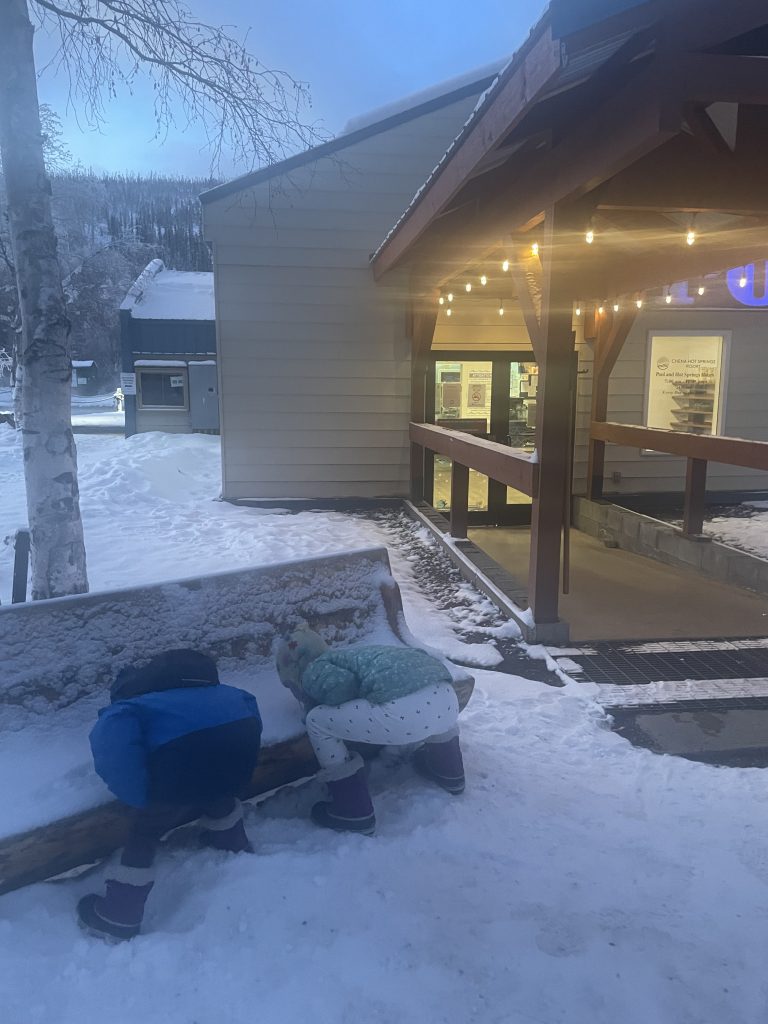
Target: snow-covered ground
(749, 533)
(579, 880)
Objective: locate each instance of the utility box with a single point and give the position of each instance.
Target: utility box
(203, 395)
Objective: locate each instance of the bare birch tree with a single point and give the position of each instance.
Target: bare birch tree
(199, 72)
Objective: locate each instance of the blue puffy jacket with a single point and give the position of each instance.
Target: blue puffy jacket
(181, 745)
(377, 674)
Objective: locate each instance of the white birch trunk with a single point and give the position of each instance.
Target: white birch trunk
(50, 459)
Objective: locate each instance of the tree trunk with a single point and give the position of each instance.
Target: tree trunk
(50, 458)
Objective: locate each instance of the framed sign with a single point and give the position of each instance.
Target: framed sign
(128, 383)
(685, 382)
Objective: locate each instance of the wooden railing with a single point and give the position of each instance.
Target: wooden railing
(698, 449)
(510, 466)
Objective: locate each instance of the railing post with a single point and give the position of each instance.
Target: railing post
(20, 567)
(417, 472)
(459, 500)
(596, 470)
(695, 496)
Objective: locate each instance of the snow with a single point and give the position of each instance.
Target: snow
(81, 364)
(159, 362)
(749, 533)
(160, 294)
(417, 99)
(579, 880)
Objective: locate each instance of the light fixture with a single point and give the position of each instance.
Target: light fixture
(535, 249)
(505, 266)
(600, 310)
(701, 289)
(615, 307)
(578, 309)
(450, 296)
(668, 298)
(639, 303)
(501, 307)
(468, 286)
(743, 280)
(483, 280)
(690, 236)
(449, 312)
(589, 237)
(441, 300)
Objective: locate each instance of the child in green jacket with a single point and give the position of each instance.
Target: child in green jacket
(383, 695)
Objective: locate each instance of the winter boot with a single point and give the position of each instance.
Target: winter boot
(442, 763)
(118, 915)
(350, 808)
(226, 833)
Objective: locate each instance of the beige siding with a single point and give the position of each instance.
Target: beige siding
(746, 411)
(172, 421)
(314, 363)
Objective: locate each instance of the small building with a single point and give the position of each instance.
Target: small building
(85, 375)
(168, 342)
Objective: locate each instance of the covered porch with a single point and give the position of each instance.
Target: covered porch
(608, 163)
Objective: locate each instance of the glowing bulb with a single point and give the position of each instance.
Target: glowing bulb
(589, 237)
(501, 310)
(578, 311)
(600, 310)
(639, 303)
(450, 296)
(743, 281)
(441, 300)
(449, 312)
(668, 298)
(615, 307)
(691, 236)
(535, 249)
(483, 280)
(505, 266)
(468, 286)
(702, 289)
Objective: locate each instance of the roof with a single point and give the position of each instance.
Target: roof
(160, 294)
(380, 120)
(82, 364)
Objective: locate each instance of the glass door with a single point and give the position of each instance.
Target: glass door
(495, 398)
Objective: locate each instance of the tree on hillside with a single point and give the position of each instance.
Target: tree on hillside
(196, 68)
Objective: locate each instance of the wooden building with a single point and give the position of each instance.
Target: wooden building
(572, 303)
(168, 342)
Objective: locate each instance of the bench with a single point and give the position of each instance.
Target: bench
(60, 656)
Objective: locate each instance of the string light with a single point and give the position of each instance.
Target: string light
(449, 312)
(501, 307)
(535, 249)
(441, 300)
(483, 280)
(639, 303)
(505, 266)
(743, 280)
(668, 298)
(701, 289)
(589, 237)
(578, 309)
(450, 296)
(690, 236)
(615, 307)
(600, 310)
(468, 286)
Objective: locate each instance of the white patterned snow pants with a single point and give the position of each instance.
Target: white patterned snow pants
(429, 714)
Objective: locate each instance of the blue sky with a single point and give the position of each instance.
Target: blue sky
(354, 56)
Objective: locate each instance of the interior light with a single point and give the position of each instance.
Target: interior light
(468, 286)
(702, 289)
(505, 266)
(535, 249)
(483, 280)
(668, 298)
(600, 310)
(441, 300)
(450, 296)
(449, 312)
(578, 310)
(639, 303)
(615, 307)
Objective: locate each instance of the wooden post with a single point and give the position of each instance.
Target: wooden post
(459, 500)
(695, 496)
(20, 567)
(420, 328)
(611, 333)
(553, 428)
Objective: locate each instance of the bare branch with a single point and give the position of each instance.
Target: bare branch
(245, 108)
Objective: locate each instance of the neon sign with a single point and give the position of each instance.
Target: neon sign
(747, 294)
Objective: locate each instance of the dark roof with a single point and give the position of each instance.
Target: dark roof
(344, 141)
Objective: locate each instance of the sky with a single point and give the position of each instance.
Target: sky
(354, 56)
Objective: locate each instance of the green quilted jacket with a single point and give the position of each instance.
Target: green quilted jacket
(375, 674)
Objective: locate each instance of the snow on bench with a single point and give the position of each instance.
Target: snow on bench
(60, 656)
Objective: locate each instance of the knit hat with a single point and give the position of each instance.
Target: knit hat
(294, 654)
(175, 669)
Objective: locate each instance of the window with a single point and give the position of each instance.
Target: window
(163, 389)
(685, 382)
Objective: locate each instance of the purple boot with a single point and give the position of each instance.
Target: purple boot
(226, 832)
(350, 808)
(442, 763)
(117, 915)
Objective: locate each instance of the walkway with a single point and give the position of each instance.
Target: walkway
(616, 595)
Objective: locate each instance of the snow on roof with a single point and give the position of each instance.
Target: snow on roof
(82, 364)
(416, 99)
(160, 294)
(159, 362)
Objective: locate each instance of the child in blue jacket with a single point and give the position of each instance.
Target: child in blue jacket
(381, 695)
(174, 743)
